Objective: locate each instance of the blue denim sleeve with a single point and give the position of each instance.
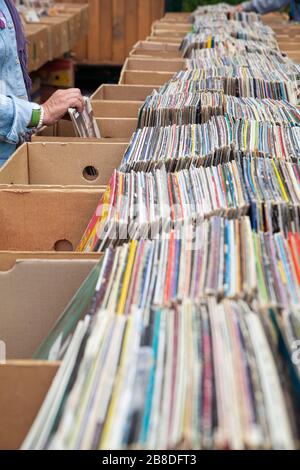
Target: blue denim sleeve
(15, 116)
(265, 6)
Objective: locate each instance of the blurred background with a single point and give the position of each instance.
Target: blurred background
(190, 5)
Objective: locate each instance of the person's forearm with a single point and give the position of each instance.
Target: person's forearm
(264, 6)
(15, 118)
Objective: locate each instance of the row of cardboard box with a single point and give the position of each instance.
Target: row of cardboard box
(171, 34)
(40, 225)
(37, 228)
(55, 35)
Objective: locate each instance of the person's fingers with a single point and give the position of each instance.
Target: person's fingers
(69, 91)
(77, 103)
(61, 100)
(78, 97)
(75, 96)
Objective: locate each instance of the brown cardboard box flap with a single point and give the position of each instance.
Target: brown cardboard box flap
(116, 109)
(67, 163)
(123, 92)
(154, 65)
(145, 78)
(42, 220)
(24, 386)
(34, 293)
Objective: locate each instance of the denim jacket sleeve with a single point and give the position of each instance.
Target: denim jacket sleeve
(265, 6)
(15, 116)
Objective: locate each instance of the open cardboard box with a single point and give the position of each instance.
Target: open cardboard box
(145, 78)
(58, 28)
(73, 21)
(78, 15)
(38, 45)
(86, 164)
(169, 33)
(154, 65)
(295, 56)
(156, 49)
(171, 41)
(24, 386)
(291, 46)
(122, 93)
(44, 288)
(116, 109)
(42, 220)
(118, 129)
(34, 293)
(9, 259)
(274, 17)
(183, 28)
(287, 28)
(179, 17)
(81, 8)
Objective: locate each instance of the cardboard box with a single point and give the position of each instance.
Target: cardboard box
(75, 11)
(63, 164)
(182, 28)
(44, 288)
(85, 18)
(169, 33)
(79, 8)
(145, 78)
(73, 26)
(45, 220)
(177, 17)
(110, 128)
(294, 55)
(167, 40)
(79, 19)
(155, 49)
(58, 28)
(154, 65)
(289, 46)
(122, 92)
(24, 386)
(38, 46)
(9, 259)
(116, 109)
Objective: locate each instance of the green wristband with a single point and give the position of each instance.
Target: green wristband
(35, 117)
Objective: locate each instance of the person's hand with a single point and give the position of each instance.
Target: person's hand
(239, 8)
(59, 103)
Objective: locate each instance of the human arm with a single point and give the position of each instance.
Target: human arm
(263, 6)
(16, 114)
(15, 117)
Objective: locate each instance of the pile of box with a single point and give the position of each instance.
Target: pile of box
(54, 35)
(47, 197)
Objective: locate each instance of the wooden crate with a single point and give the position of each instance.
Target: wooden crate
(115, 26)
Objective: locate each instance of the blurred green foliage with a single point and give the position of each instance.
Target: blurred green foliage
(190, 5)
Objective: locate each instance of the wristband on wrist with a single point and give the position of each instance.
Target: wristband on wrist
(35, 118)
(41, 120)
